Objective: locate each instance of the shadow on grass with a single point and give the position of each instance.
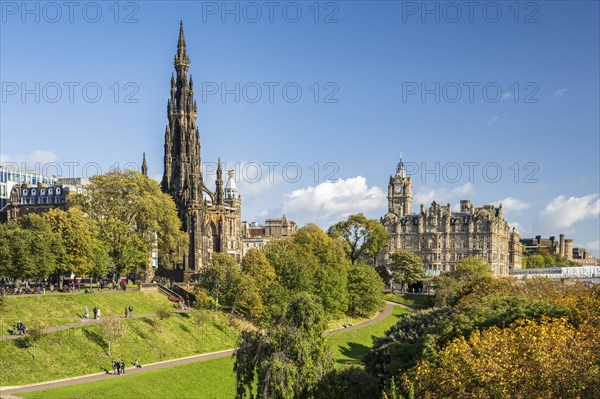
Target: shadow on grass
(22, 343)
(184, 315)
(355, 351)
(149, 321)
(185, 328)
(96, 338)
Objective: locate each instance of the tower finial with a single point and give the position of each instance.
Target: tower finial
(182, 61)
(181, 36)
(219, 183)
(400, 171)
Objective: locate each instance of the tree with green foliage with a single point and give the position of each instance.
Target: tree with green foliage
(132, 215)
(288, 359)
(249, 302)
(384, 273)
(470, 267)
(257, 275)
(406, 268)
(545, 359)
(424, 336)
(294, 268)
(348, 382)
(222, 279)
(84, 252)
(29, 248)
(470, 275)
(256, 267)
(331, 274)
(543, 259)
(365, 290)
(362, 237)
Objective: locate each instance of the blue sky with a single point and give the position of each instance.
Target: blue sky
(500, 87)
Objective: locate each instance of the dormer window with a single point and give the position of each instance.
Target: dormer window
(33, 191)
(43, 191)
(50, 191)
(25, 192)
(58, 191)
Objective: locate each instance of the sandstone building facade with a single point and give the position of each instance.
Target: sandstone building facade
(211, 218)
(257, 236)
(442, 237)
(563, 246)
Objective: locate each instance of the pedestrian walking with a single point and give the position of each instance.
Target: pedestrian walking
(114, 366)
(126, 312)
(130, 311)
(95, 310)
(86, 313)
(122, 367)
(98, 313)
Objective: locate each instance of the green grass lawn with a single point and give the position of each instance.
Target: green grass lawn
(339, 323)
(53, 310)
(413, 300)
(352, 346)
(210, 379)
(83, 350)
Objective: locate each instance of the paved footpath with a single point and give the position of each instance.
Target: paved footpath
(83, 322)
(9, 392)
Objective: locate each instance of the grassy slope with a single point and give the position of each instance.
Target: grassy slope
(413, 300)
(210, 379)
(352, 346)
(82, 350)
(52, 309)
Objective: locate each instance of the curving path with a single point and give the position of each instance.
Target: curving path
(83, 322)
(9, 392)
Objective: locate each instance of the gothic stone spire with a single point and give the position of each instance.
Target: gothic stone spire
(144, 166)
(182, 177)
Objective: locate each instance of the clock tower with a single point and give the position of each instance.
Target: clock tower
(400, 192)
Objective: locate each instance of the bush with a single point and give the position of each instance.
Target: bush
(365, 291)
(545, 359)
(203, 300)
(347, 382)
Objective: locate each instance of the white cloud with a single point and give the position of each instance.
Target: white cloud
(33, 161)
(563, 212)
(560, 92)
(442, 195)
(493, 120)
(327, 203)
(510, 204)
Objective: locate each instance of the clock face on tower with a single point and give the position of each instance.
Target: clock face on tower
(398, 189)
